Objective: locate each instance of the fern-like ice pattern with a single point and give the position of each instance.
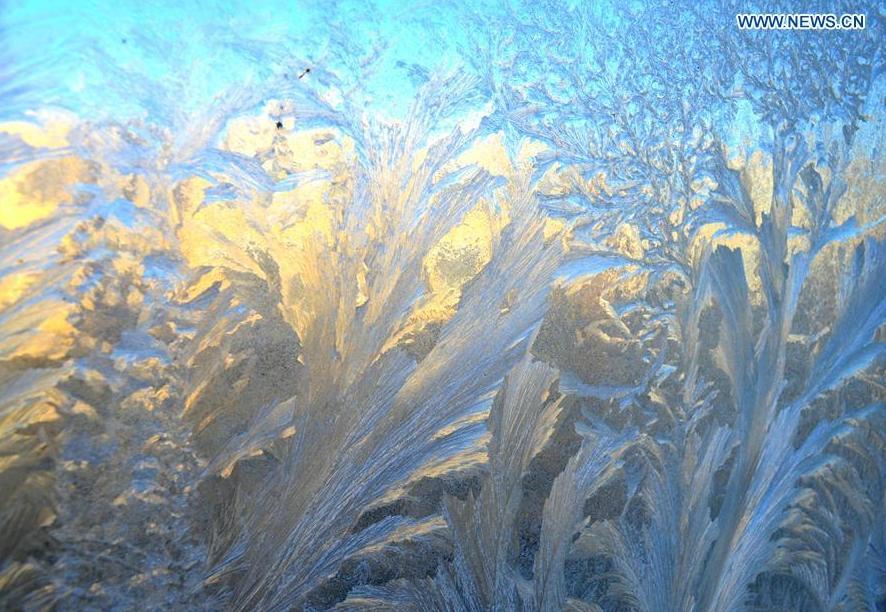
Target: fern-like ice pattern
(506, 306)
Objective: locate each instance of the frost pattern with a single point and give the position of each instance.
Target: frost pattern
(597, 325)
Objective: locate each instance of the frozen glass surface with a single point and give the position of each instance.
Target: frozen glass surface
(443, 305)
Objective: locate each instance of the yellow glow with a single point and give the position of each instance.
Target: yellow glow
(50, 131)
(488, 153)
(626, 241)
(49, 334)
(462, 252)
(758, 180)
(14, 286)
(36, 189)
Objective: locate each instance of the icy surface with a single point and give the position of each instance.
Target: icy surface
(415, 306)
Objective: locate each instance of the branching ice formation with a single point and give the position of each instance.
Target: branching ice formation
(597, 325)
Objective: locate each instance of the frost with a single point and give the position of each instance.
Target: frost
(596, 323)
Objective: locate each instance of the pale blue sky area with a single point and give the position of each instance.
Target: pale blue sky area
(134, 57)
(170, 61)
